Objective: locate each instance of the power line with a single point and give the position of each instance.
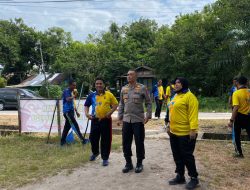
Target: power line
(46, 1)
(77, 16)
(162, 14)
(170, 9)
(88, 9)
(63, 1)
(98, 8)
(66, 1)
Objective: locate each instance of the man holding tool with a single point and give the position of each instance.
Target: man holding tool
(69, 113)
(103, 105)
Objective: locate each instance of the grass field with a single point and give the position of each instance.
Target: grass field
(213, 104)
(207, 104)
(219, 169)
(27, 158)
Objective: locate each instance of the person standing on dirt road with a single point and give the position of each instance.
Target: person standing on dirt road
(183, 119)
(241, 112)
(103, 105)
(69, 110)
(131, 113)
(158, 94)
(170, 93)
(232, 90)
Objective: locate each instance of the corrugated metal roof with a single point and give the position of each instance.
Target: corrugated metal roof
(53, 77)
(37, 80)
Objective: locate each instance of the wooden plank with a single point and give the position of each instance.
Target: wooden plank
(59, 118)
(19, 112)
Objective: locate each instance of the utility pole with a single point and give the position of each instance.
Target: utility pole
(43, 66)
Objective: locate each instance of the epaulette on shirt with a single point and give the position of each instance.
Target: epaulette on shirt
(126, 89)
(138, 87)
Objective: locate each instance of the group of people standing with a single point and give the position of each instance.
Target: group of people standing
(181, 119)
(160, 97)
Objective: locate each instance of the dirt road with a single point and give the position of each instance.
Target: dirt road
(158, 169)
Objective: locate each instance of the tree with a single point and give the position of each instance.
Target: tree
(3, 82)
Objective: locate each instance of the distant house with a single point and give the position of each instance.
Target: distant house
(36, 81)
(145, 75)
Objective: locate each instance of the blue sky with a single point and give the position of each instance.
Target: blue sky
(94, 16)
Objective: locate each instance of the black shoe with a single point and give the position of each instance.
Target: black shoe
(85, 141)
(192, 184)
(62, 143)
(138, 168)
(127, 168)
(93, 157)
(177, 180)
(238, 155)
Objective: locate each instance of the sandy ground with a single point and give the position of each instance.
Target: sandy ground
(158, 169)
(8, 120)
(12, 116)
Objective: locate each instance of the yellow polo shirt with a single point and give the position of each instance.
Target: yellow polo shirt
(104, 103)
(160, 92)
(168, 92)
(241, 98)
(183, 110)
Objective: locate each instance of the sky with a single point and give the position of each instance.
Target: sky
(83, 17)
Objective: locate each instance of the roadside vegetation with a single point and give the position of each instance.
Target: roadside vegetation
(27, 158)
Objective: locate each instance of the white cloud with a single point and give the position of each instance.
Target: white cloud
(82, 18)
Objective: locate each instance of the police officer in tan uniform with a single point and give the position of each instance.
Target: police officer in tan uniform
(131, 113)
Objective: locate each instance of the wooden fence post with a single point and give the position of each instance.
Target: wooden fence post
(58, 117)
(19, 112)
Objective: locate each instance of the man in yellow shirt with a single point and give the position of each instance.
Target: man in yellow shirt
(241, 112)
(183, 119)
(103, 105)
(170, 92)
(158, 93)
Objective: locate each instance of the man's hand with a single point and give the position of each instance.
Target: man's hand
(168, 131)
(119, 122)
(90, 117)
(167, 128)
(108, 115)
(230, 124)
(192, 134)
(146, 120)
(78, 114)
(70, 98)
(75, 93)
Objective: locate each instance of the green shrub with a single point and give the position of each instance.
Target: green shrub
(55, 91)
(3, 82)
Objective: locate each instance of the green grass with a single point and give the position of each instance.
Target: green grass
(206, 104)
(219, 169)
(27, 158)
(213, 104)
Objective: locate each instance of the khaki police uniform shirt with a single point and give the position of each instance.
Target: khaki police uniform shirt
(131, 107)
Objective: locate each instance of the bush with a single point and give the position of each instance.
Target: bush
(3, 82)
(55, 91)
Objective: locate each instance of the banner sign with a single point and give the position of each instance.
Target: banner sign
(36, 116)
